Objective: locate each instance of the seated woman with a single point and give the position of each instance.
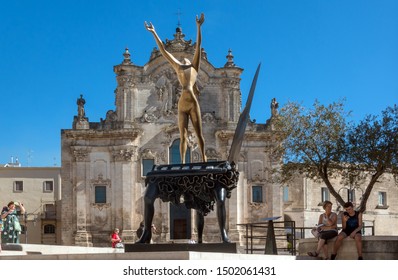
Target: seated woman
(328, 230)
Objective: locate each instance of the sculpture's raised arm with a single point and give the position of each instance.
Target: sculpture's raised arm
(198, 51)
(173, 61)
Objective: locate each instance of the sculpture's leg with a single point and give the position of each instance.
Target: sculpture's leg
(221, 195)
(183, 127)
(152, 192)
(200, 224)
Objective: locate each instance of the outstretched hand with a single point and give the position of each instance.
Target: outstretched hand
(149, 26)
(201, 19)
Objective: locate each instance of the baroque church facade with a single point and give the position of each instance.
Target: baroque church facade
(104, 163)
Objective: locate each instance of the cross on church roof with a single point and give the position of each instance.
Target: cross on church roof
(179, 17)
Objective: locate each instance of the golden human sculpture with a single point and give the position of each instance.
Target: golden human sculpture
(188, 105)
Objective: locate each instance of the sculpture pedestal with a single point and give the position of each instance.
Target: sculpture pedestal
(196, 185)
(177, 247)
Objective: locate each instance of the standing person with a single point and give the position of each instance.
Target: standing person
(352, 226)
(115, 238)
(188, 105)
(328, 230)
(11, 225)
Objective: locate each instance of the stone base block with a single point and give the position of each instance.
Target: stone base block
(177, 247)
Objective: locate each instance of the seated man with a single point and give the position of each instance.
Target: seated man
(352, 226)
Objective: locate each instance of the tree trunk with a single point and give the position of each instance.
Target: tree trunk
(323, 173)
(375, 177)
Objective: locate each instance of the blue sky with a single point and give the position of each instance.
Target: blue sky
(53, 51)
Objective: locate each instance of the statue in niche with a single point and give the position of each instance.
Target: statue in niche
(188, 105)
(165, 98)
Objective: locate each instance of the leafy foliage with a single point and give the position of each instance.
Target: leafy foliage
(321, 143)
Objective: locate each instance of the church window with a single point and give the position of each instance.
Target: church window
(100, 194)
(257, 194)
(175, 153)
(147, 165)
(285, 193)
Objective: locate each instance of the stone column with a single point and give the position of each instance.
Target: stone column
(83, 236)
(124, 195)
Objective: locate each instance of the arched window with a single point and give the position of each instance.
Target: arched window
(49, 229)
(175, 153)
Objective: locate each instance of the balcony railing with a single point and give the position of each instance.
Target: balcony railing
(49, 215)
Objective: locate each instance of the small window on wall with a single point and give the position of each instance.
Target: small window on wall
(285, 193)
(257, 194)
(49, 229)
(18, 186)
(325, 194)
(147, 165)
(351, 195)
(100, 194)
(49, 211)
(48, 186)
(382, 200)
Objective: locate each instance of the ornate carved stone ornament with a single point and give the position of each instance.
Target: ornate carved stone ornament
(149, 116)
(125, 154)
(257, 205)
(209, 118)
(149, 154)
(127, 57)
(212, 154)
(100, 181)
(80, 153)
(101, 206)
(179, 44)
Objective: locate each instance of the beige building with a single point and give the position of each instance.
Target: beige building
(39, 189)
(303, 199)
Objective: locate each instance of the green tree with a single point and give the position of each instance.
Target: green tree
(373, 150)
(322, 144)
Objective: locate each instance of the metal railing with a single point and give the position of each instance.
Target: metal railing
(286, 236)
(283, 236)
